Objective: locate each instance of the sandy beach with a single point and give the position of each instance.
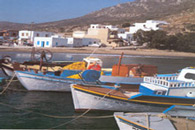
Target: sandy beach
(104, 50)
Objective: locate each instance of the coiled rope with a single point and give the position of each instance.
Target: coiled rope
(84, 112)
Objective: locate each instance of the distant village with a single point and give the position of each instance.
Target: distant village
(97, 35)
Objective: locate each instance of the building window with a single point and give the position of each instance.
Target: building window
(37, 34)
(46, 35)
(22, 34)
(38, 43)
(47, 43)
(26, 34)
(56, 43)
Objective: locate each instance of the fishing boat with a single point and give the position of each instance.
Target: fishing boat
(36, 80)
(8, 66)
(155, 94)
(181, 111)
(142, 121)
(128, 74)
(39, 81)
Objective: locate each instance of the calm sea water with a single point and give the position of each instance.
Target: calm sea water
(19, 109)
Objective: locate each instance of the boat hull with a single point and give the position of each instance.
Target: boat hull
(143, 121)
(84, 100)
(121, 80)
(43, 83)
(97, 98)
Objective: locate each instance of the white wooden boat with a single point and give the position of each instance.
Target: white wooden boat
(154, 95)
(142, 121)
(50, 82)
(181, 111)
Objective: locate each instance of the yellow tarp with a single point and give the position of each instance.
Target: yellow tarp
(75, 66)
(75, 76)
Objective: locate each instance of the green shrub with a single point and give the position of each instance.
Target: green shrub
(160, 40)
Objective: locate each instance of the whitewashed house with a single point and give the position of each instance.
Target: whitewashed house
(147, 26)
(26, 36)
(54, 41)
(125, 36)
(110, 27)
(74, 42)
(90, 42)
(79, 34)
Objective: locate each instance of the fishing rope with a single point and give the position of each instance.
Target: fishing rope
(18, 90)
(12, 80)
(84, 112)
(93, 52)
(7, 84)
(54, 116)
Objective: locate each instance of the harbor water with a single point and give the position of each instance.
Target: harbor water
(20, 109)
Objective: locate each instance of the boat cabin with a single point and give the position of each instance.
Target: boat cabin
(182, 84)
(92, 60)
(134, 70)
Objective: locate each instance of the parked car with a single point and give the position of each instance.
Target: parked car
(95, 45)
(27, 44)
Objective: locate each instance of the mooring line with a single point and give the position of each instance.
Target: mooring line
(54, 116)
(12, 80)
(7, 85)
(93, 52)
(84, 112)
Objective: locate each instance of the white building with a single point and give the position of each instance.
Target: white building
(125, 36)
(110, 27)
(26, 36)
(79, 42)
(53, 41)
(74, 42)
(90, 42)
(79, 34)
(147, 26)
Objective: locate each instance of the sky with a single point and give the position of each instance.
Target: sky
(40, 11)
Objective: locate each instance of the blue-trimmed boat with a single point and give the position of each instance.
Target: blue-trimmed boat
(142, 121)
(39, 81)
(181, 111)
(154, 94)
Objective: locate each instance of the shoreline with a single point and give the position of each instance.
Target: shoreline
(104, 50)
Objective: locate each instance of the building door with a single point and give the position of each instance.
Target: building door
(42, 44)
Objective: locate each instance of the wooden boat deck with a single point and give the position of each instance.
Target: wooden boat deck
(126, 95)
(103, 91)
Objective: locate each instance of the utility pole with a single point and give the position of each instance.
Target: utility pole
(31, 39)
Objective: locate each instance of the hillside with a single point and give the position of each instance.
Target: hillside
(176, 12)
(9, 25)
